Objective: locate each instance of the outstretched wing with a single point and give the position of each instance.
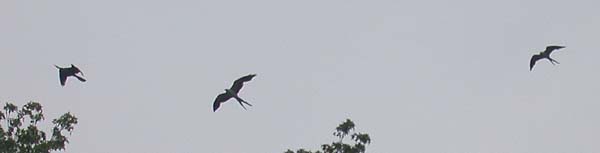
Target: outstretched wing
(534, 59)
(63, 77)
(237, 85)
(549, 49)
(220, 99)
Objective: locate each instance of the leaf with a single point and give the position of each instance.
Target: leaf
(339, 147)
(17, 138)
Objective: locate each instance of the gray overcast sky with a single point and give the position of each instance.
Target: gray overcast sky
(418, 76)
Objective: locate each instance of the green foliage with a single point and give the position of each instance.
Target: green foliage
(301, 151)
(20, 136)
(343, 130)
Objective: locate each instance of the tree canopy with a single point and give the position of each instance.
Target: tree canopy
(19, 132)
(343, 130)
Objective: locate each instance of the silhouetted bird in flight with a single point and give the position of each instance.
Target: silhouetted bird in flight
(63, 73)
(233, 92)
(545, 54)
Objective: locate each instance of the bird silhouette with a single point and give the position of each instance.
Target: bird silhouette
(545, 54)
(233, 92)
(63, 73)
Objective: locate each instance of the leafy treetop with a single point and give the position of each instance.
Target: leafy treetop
(20, 133)
(343, 130)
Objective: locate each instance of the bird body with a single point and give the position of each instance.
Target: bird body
(64, 73)
(544, 54)
(233, 93)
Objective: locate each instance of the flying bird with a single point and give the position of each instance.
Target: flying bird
(545, 54)
(233, 92)
(63, 73)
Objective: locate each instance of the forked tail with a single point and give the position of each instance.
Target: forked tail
(240, 100)
(80, 78)
(553, 61)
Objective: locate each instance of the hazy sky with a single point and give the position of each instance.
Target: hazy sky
(418, 76)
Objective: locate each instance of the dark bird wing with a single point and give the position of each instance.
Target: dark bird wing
(534, 59)
(237, 85)
(220, 99)
(549, 49)
(63, 78)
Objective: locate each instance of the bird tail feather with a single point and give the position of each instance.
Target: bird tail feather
(80, 78)
(554, 61)
(240, 100)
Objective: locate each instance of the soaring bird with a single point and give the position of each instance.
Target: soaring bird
(545, 54)
(63, 73)
(233, 92)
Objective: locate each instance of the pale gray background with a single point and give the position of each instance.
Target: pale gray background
(418, 76)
